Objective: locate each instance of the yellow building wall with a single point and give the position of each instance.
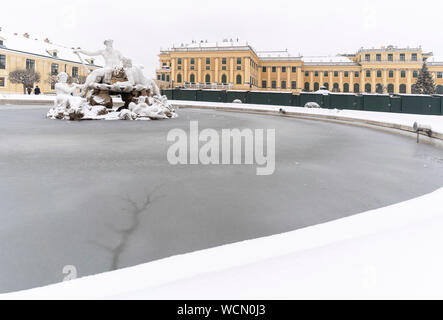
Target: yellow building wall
(17, 61)
(306, 77)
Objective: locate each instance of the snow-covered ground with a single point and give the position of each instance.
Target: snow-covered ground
(30, 97)
(393, 252)
(401, 119)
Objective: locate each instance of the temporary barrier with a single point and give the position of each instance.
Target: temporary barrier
(376, 102)
(211, 95)
(396, 104)
(236, 95)
(421, 104)
(416, 104)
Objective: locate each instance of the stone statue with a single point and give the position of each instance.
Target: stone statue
(112, 57)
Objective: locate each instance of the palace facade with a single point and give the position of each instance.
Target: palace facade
(22, 51)
(236, 65)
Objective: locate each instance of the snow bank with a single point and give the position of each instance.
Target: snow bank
(399, 119)
(393, 252)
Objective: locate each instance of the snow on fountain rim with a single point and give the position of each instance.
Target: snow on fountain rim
(382, 253)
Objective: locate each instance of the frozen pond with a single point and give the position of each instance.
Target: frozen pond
(71, 191)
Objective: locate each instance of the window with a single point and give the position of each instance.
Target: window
(30, 64)
(306, 86)
(54, 69)
(316, 73)
(306, 73)
(378, 57)
(378, 73)
(179, 61)
(391, 74)
(208, 67)
(368, 88)
(74, 72)
(167, 78)
(390, 57)
(335, 73)
(192, 67)
(357, 74)
(326, 85)
(179, 78)
(316, 86)
(179, 67)
(402, 57)
(414, 57)
(159, 77)
(53, 86)
(335, 87)
(223, 67)
(264, 69)
(274, 84)
(208, 60)
(192, 78)
(403, 74)
(224, 79)
(1, 42)
(223, 60)
(238, 67)
(283, 84)
(346, 87)
(238, 60)
(439, 75)
(192, 60)
(264, 84)
(294, 85)
(368, 73)
(283, 69)
(402, 88)
(2, 82)
(163, 77)
(368, 57)
(274, 69)
(326, 74)
(390, 88)
(356, 88)
(346, 74)
(294, 69)
(2, 61)
(415, 74)
(239, 79)
(208, 78)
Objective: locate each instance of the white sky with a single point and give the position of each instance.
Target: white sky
(140, 28)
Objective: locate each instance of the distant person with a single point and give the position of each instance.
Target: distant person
(29, 90)
(37, 91)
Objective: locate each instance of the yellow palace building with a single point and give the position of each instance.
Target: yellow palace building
(22, 51)
(232, 64)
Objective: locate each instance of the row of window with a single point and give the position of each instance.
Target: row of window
(208, 61)
(283, 69)
(224, 79)
(390, 57)
(368, 74)
(368, 87)
(283, 84)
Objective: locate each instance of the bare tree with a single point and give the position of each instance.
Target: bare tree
(28, 78)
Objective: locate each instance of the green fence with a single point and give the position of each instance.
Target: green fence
(415, 104)
(421, 104)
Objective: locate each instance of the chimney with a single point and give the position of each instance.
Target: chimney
(26, 35)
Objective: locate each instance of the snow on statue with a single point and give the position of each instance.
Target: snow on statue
(141, 96)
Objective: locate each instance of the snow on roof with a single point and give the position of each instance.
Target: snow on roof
(202, 45)
(327, 60)
(29, 44)
(435, 60)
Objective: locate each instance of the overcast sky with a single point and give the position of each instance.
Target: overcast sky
(141, 28)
